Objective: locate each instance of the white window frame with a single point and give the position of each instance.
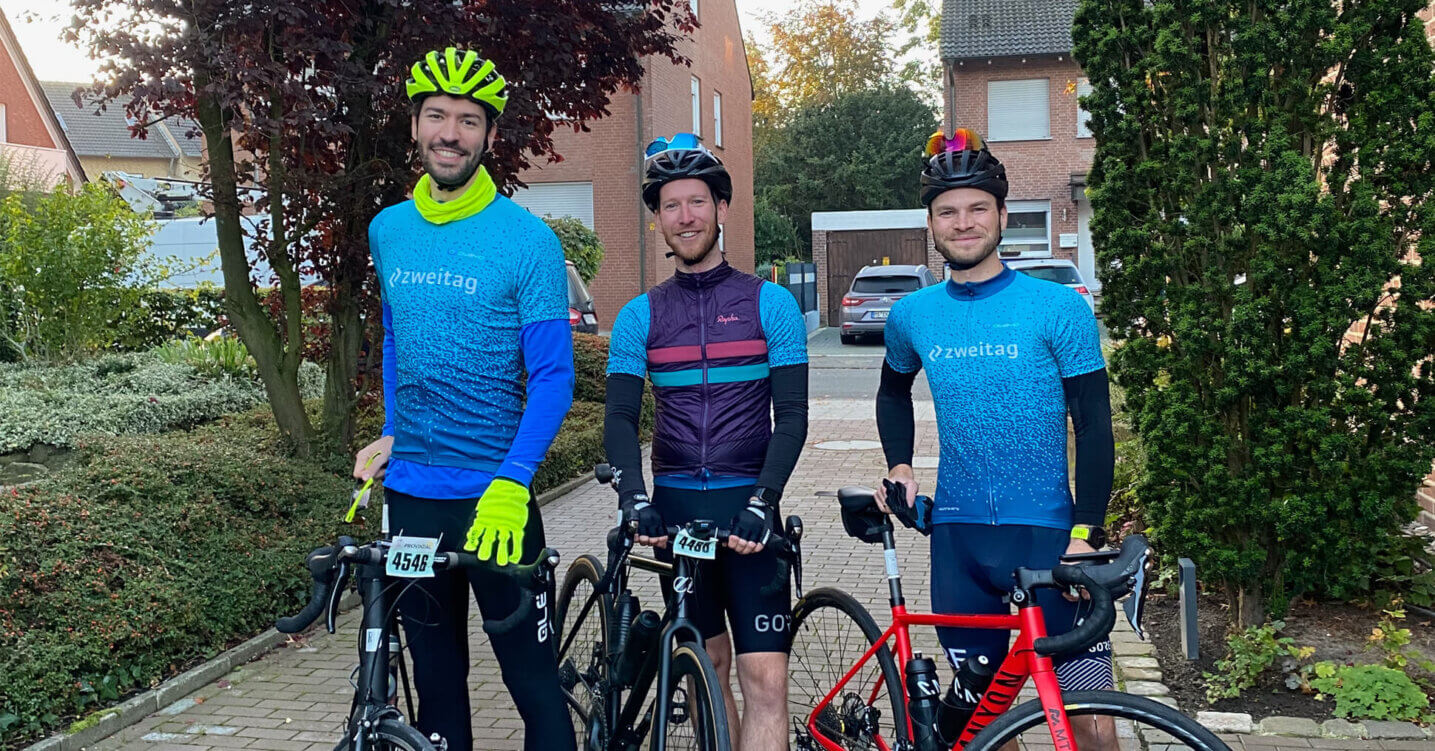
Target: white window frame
(717, 118)
(694, 5)
(1032, 207)
(4, 127)
(1002, 125)
(697, 107)
(1083, 118)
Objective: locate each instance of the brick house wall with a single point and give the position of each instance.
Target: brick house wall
(1036, 170)
(610, 156)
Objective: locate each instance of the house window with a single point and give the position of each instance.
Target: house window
(4, 132)
(1019, 110)
(1028, 230)
(697, 107)
(1083, 118)
(694, 5)
(717, 119)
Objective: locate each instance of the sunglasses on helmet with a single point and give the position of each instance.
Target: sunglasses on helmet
(964, 139)
(679, 142)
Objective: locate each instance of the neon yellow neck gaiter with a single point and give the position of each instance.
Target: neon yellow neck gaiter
(479, 194)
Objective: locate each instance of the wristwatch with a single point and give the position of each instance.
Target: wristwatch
(768, 496)
(1094, 536)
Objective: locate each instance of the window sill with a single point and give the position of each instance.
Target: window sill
(1018, 140)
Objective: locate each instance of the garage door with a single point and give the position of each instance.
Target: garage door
(558, 200)
(849, 251)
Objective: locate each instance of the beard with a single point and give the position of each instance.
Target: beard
(693, 258)
(962, 259)
(452, 178)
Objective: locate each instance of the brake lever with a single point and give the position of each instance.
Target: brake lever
(341, 584)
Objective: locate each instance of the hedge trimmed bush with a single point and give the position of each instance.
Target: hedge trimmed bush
(163, 315)
(147, 553)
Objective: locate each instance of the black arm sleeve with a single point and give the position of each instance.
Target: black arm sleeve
(789, 426)
(620, 431)
(896, 424)
(1088, 399)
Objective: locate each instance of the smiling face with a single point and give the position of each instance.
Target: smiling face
(966, 226)
(689, 217)
(452, 134)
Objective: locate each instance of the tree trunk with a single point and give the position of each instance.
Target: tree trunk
(279, 374)
(346, 336)
(1250, 607)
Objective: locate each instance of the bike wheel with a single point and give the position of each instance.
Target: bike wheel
(697, 716)
(582, 643)
(1137, 722)
(394, 735)
(830, 633)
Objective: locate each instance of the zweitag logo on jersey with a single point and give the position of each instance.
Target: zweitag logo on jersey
(980, 349)
(440, 278)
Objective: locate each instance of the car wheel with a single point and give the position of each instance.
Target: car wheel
(849, 338)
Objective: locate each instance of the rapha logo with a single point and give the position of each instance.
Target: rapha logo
(727, 318)
(980, 349)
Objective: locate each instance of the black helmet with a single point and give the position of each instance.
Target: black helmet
(679, 158)
(961, 161)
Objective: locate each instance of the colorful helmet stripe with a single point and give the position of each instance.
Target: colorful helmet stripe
(679, 142)
(450, 75)
(964, 139)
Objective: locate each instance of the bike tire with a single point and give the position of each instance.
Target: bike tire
(583, 662)
(830, 632)
(705, 726)
(395, 735)
(1024, 717)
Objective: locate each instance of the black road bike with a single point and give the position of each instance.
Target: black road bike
(375, 722)
(612, 655)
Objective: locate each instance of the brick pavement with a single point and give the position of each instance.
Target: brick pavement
(296, 697)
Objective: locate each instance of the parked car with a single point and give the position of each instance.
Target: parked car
(874, 290)
(580, 304)
(1057, 270)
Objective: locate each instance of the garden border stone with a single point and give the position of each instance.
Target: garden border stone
(1136, 667)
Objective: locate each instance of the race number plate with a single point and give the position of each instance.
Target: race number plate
(411, 557)
(691, 547)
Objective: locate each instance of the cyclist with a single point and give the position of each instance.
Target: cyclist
(1008, 357)
(474, 293)
(724, 351)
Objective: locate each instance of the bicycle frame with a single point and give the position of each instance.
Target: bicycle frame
(676, 627)
(1022, 661)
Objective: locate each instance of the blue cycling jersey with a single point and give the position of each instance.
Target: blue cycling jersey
(471, 307)
(995, 353)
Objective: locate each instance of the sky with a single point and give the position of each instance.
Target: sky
(54, 60)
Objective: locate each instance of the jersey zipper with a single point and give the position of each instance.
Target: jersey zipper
(703, 388)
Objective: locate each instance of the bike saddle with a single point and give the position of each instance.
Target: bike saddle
(860, 515)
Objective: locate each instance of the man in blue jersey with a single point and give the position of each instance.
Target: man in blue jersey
(474, 295)
(1008, 358)
(727, 355)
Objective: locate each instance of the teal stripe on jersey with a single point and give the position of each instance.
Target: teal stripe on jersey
(694, 376)
(736, 373)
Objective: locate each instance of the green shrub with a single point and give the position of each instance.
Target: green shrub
(114, 395)
(1250, 653)
(580, 245)
(163, 315)
(218, 357)
(1370, 692)
(71, 261)
(146, 553)
(578, 446)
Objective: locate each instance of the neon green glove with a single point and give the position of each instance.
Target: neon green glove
(499, 521)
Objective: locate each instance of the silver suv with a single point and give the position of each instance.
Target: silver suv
(874, 290)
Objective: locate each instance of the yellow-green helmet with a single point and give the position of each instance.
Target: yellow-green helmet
(460, 73)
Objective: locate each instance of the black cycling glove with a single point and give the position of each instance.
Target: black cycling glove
(752, 523)
(650, 522)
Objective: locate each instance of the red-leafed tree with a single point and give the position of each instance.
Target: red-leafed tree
(307, 100)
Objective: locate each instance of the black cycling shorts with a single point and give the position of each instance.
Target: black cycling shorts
(733, 584)
(972, 567)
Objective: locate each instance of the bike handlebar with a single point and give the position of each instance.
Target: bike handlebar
(329, 567)
(1106, 582)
